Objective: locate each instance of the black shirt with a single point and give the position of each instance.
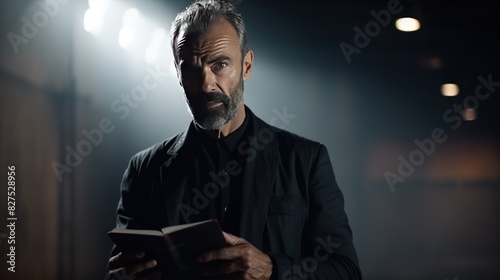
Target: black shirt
(218, 154)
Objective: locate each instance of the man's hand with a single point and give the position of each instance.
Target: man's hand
(130, 264)
(241, 260)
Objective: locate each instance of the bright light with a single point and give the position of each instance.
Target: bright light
(407, 24)
(469, 114)
(131, 17)
(92, 21)
(159, 38)
(449, 89)
(130, 22)
(126, 37)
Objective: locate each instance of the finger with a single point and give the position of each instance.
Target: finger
(136, 268)
(227, 253)
(232, 239)
(122, 258)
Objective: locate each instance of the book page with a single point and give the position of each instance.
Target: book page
(170, 229)
(137, 232)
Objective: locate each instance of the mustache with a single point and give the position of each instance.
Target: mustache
(205, 97)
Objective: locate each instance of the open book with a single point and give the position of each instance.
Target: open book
(181, 243)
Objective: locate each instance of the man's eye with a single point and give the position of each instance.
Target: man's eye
(220, 65)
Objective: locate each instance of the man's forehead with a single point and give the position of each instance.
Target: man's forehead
(219, 31)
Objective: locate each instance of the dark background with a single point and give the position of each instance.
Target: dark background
(441, 222)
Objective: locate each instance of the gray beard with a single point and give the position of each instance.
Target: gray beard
(213, 119)
(216, 120)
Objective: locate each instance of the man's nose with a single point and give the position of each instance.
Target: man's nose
(208, 80)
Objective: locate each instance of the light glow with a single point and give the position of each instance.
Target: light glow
(130, 21)
(126, 37)
(93, 18)
(131, 17)
(159, 39)
(469, 114)
(407, 24)
(449, 89)
(92, 21)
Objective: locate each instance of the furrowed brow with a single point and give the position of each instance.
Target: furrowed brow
(218, 58)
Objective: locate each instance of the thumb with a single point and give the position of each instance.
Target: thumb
(232, 239)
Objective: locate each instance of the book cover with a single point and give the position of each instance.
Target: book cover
(180, 244)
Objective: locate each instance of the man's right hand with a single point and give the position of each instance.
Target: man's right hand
(132, 263)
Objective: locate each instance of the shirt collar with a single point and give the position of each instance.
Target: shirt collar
(231, 141)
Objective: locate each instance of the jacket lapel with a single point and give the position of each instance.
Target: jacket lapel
(259, 176)
(174, 181)
(258, 181)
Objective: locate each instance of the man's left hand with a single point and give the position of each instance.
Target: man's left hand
(240, 260)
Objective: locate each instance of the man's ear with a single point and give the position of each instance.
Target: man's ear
(247, 65)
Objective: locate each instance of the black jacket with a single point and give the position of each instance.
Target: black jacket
(292, 207)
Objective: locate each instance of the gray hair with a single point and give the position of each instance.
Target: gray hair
(198, 17)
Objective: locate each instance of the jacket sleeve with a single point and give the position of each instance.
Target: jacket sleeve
(129, 210)
(327, 248)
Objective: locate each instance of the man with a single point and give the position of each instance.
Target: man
(273, 192)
